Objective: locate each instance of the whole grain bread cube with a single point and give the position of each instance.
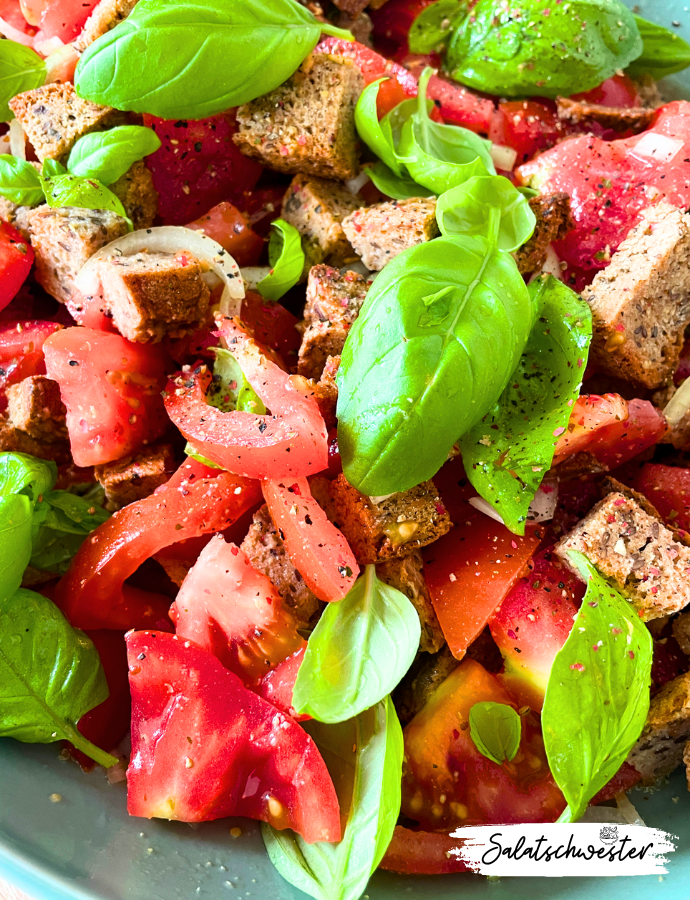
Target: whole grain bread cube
(659, 749)
(633, 548)
(307, 124)
(333, 303)
(316, 208)
(136, 477)
(326, 391)
(618, 118)
(14, 440)
(380, 232)
(34, 406)
(137, 194)
(407, 576)
(105, 16)
(395, 526)
(63, 240)
(150, 295)
(266, 551)
(427, 673)
(681, 631)
(554, 221)
(641, 302)
(54, 118)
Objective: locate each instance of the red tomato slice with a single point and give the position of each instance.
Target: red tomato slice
(318, 550)
(422, 853)
(619, 90)
(205, 747)
(64, 19)
(21, 352)
(589, 413)
(261, 206)
(525, 125)
(226, 225)
(624, 779)
(668, 489)
(195, 501)
(272, 326)
(278, 685)
(288, 442)
(13, 24)
(16, 259)
(392, 22)
(621, 441)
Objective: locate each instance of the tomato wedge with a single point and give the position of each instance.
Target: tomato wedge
(21, 352)
(16, 259)
(589, 414)
(278, 685)
(204, 746)
(422, 853)
(668, 488)
(197, 500)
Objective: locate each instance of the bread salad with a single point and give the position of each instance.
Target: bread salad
(345, 430)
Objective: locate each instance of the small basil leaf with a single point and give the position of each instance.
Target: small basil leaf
(488, 206)
(390, 184)
(85, 193)
(359, 651)
(495, 729)
(434, 25)
(21, 69)
(196, 58)
(19, 181)
(286, 256)
(21, 473)
(190, 450)
(61, 523)
(597, 696)
(16, 516)
(663, 52)
(508, 453)
(107, 155)
(50, 675)
(408, 388)
(52, 167)
(528, 47)
(341, 871)
(376, 135)
(230, 389)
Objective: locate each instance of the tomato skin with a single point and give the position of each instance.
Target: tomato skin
(278, 685)
(422, 853)
(205, 747)
(668, 662)
(527, 126)
(261, 206)
(668, 489)
(392, 22)
(64, 19)
(16, 259)
(21, 352)
(226, 225)
(272, 326)
(195, 501)
(620, 442)
(590, 413)
(619, 90)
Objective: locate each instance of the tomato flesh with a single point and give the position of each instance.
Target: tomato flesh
(668, 489)
(64, 19)
(226, 225)
(272, 326)
(621, 441)
(590, 413)
(21, 352)
(527, 126)
(16, 259)
(422, 853)
(619, 90)
(278, 685)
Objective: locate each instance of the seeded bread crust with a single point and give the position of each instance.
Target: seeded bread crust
(105, 16)
(34, 406)
(554, 221)
(136, 477)
(138, 195)
(636, 118)
(14, 440)
(407, 576)
(381, 232)
(660, 747)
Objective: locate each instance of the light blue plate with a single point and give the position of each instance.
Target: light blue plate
(87, 848)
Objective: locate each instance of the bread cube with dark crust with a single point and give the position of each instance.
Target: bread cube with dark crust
(54, 118)
(316, 208)
(326, 391)
(136, 477)
(641, 301)
(407, 576)
(681, 631)
(14, 440)
(619, 118)
(554, 221)
(307, 124)
(34, 406)
(150, 295)
(659, 749)
(137, 194)
(427, 673)
(333, 303)
(63, 240)
(381, 232)
(105, 16)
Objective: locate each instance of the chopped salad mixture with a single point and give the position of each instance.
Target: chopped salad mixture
(345, 413)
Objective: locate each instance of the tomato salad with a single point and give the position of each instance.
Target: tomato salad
(345, 414)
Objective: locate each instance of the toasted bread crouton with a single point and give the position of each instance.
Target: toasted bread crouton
(636, 551)
(54, 118)
(659, 749)
(392, 527)
(407, 576)
(105, 16)
(63, 239)
(681, 631)
(34, 406)
(333, 303)
(150, 295)
(16, 216)
(618, 118)
(266, 551)
(316, 208)
(136, 477)
(137, 194)
(326, 391)
(427, 674)
(553, 223)
(353, 7)
(380, 232)
(14, 440)
(307, 124)
(360, 25)
(641, 302)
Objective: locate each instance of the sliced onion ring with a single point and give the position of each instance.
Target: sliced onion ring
(17, 140)
(678, 405)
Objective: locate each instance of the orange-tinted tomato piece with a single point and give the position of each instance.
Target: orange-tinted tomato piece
(226, 225)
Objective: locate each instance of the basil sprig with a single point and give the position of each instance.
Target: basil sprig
(508, 453)
(359, 651)
(435, 24)
(286, 258)
(367, 753)
(495, 729)
(107, 155)
(597, 696)
(195, 58)
(21, 69)
(663, 52)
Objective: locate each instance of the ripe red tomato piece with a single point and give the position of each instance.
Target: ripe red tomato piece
(272, 325)
(205, 747)
(278, 685)
(64, 19)
(459, 106)
(111, 388)
(668, 661)
(392, 22)
(619, 90)
(15, 26)
(261, 206)
(624, 779)
(590, 413)
(668, 489)
(198, 166)
(527, 126)
(16, 259)
(422, 853)
(226, 225)
(21, 352)
(619, 442)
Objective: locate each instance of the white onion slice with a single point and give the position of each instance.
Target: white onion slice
(14, 34)
(252, 275)
(503, 157)
(49, 46)
(481, 504)
(678, 405)
(172, 239)
(543, 506)
(552, 265)
(659, 147)
(17, 139)
(355, 185)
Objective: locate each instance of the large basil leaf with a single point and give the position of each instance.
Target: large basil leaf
(19, 181)
(597, 696)
(495, 729)
(509, 451)
(663, 52)
(528, 47)
(107, 155)
(196, 58)
(50, 675)
(341, 871)
(434, 25)
(86, 193)
(358, 652)
(286, 257)
(441, 330)
(21, 69)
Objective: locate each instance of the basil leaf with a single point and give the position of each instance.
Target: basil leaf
(508, 453)
(61, 523)
(52, 167)
(86, 193)
(19, 181)
(378, 136)
(487, 206)
(399, 188)
(528, 47)
(359, 651)
(21, 473)
(597, 696)
(663, 52)
(190, 450)
(434, 25)
(341, 871)
(21, 69)
(50, 675)
(286, 257)
(409, 386)
(15, 542)
(229, 389)
(495, 729)
(107, 155)
(197, 58)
